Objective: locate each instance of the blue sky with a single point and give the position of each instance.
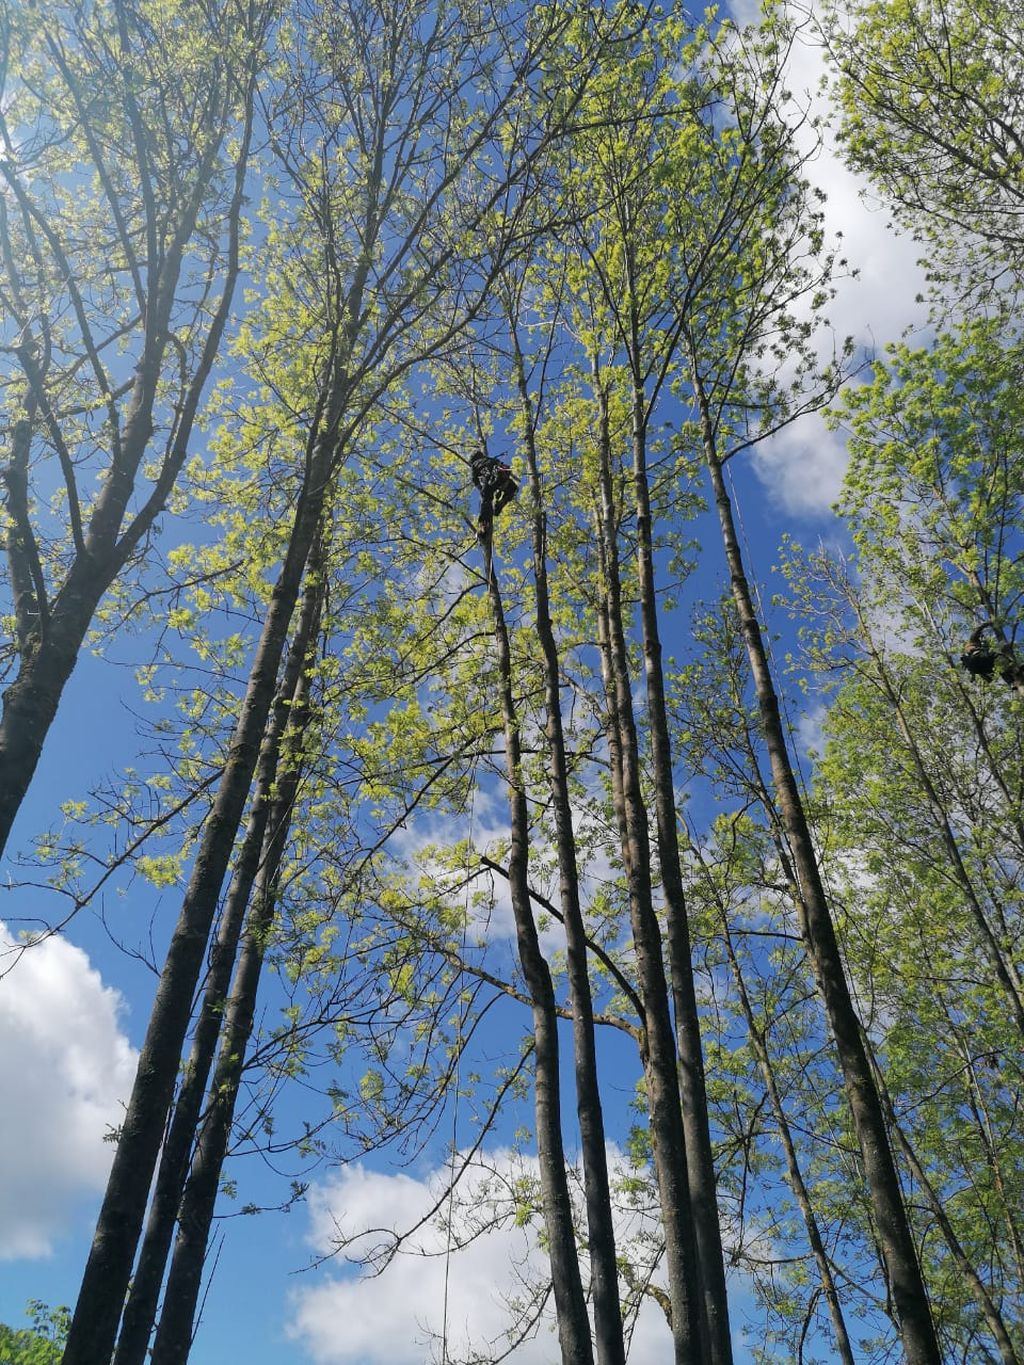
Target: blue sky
(71, 1012)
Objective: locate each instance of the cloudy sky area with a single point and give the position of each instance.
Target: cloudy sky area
(802, 469)
(503, 1266)
(65, 1065)
(66, 1060)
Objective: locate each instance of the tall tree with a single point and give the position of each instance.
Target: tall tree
(251, 897)
(126, 133)
(254, 893)
(567, 1287)
(403, 175)
(668, 1137)
(628, 176)
(738, 317)
(921, 775)
(604, 1273)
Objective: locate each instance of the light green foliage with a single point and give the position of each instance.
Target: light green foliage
(920, 778)
(40, 1344)
(937, 457)
(931, 103)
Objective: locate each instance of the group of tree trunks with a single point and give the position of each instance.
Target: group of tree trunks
(501, 212)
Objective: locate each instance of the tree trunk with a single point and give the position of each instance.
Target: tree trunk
(140, 1309)
(174, 1335)
(108, 1269)
(906, 1282)
(567, 1286)
(603, 1272)
(700, 1164)
(759, 1046)
(660, 1063)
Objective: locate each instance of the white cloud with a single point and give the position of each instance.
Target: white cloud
(397, 1317)
(65, 1067)
(803, 467)
(810, 730)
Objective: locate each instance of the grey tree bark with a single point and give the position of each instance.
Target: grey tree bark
(567, 1286)
(689, 1329)
(266, 814)
(184, 1280)
(906, 1282)
(693, 1092)
(610, 1346)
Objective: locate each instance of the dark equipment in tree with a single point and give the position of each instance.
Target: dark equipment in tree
(978, 658)
(496, 485)
(982, 660)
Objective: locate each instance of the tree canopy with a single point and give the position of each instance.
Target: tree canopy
(516, 813)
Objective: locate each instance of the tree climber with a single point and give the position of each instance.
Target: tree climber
(982, 659)
(496, 485)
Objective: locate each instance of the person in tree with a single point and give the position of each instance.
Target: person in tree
(496, 485)
(982, 659)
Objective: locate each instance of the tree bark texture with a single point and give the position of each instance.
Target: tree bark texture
(105, 1282)
(693, 1092)
(141, 1307)
(604, 1281)
(660, 1061)
(906, 1282)
(184, 1281)
(567, 1286)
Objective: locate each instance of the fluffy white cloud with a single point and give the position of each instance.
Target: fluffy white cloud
(346, 1318)
(803, 467)
(65, 1068)
(810, 730)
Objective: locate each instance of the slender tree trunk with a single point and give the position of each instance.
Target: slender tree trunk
(49, 657)
(906, 1282)
(660, 1062)
(140, 1309)
(982, 1297)
(567, 1285)
(107, 1272)
(174, 1334)
(603, 1271)
(759, 1045)
(108, 1269)
(693, 1093)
